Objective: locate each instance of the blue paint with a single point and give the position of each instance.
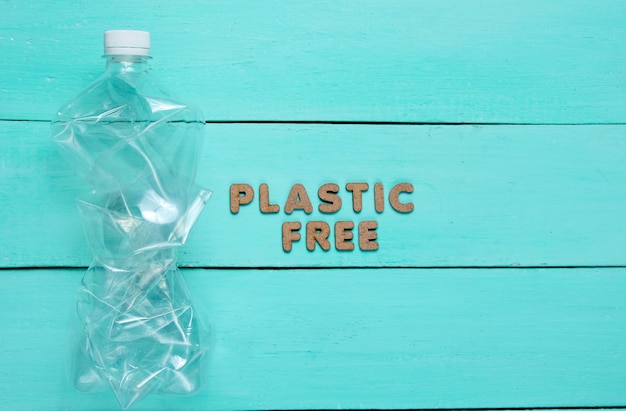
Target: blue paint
(405, 60)
(484, 196)
(546, 194)
(362, 338)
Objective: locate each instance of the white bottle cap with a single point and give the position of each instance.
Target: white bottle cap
(126, 42)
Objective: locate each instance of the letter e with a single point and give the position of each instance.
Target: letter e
(367, 235)
(344, 235)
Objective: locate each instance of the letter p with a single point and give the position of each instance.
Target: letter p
(240, 194)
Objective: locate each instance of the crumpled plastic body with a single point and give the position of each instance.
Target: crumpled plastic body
(137, 147)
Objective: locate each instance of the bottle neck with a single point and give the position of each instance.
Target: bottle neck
(127, 65)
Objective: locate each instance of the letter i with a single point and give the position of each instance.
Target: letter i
(379, 197)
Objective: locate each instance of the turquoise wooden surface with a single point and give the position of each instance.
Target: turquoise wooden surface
(542, 185)
(360, 338)
(401, 60)
(484, 196)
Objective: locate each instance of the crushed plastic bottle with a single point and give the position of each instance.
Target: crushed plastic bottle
(137, 146)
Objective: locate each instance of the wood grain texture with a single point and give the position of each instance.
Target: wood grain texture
(535, 193)
(484, 196)
(401, 60)
(364, 338)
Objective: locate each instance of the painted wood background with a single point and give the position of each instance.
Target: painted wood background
(504, 288)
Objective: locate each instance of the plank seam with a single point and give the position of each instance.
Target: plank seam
(406, 123)
(599, 407)
(368, 123)
(349, 267)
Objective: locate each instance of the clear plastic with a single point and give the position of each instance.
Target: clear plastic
(137, 147)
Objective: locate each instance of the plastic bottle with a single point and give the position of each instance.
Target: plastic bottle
(137, 146)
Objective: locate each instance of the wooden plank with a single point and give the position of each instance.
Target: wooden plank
(409, 61)
(484, 196)
(356, 338)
